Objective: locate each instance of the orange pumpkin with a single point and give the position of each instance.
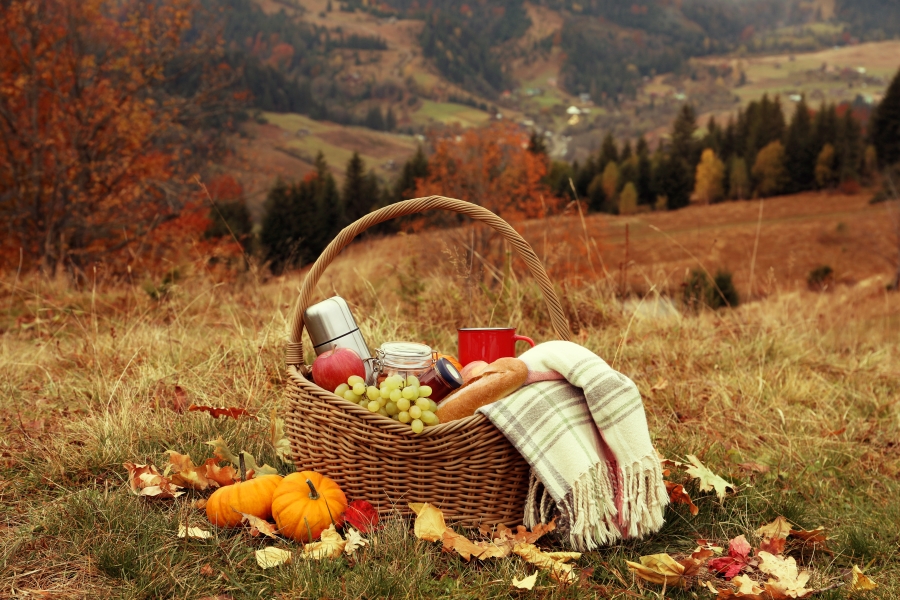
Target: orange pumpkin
(306, 504)
(253, 497)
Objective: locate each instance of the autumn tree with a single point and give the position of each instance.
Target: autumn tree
(96, 148)
(710, 174)
(768, 170)
(610, 182)
(826, 175)
(738, 180)
(628, 200)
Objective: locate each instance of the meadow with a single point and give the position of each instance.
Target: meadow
(792, 397)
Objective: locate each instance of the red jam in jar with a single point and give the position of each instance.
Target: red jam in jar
(442, 379)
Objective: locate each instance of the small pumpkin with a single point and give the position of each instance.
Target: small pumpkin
(306, 504)
(253, 497)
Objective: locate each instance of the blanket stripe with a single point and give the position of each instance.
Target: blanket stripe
(588, 445)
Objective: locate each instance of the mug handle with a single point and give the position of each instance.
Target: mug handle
(522, 338)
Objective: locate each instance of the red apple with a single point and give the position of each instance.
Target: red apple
(472, 369)
(334, 367)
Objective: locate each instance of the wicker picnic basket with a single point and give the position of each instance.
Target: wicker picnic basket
(465, 467)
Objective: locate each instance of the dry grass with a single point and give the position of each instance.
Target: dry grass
(794, 398)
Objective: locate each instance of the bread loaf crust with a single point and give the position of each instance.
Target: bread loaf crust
(498, 380)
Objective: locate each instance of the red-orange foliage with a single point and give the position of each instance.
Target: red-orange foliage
(490, 166)
(94, 154)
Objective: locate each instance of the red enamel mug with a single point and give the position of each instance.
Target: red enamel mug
(488, 343)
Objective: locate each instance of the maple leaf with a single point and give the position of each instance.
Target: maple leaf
(271, 556)
(330, 545)
(193, 532)
(146, 480)
(259, 526)
(706, 545)
(708, 480)
(557, 563)
(233, 412)
(789, 581)
(220, 449)
(813, 538)
(354, 541)
(185, 473)
(429, 524)
(521, 534)
(677, 495)
(774, 535)
(859, 582)
(526, 583)
(222, 476)
(737, 559)
(466, 548)
(362, 515)
(665, 570)
(279, 442)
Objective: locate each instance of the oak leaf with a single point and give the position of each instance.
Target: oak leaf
(708, 480)
(193, 532)
(788, 581)
(746, 586)
(271, 556)
(557, 563)
(526, 583)
(331, 545)
(859, 582)
(429, 524)
(222, 476)
(735, 562)
(233, 412)
(521, 534)
(677, 495)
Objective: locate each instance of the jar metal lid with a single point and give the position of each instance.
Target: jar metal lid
(405, 350)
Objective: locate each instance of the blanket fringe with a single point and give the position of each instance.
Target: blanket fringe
(644, 497)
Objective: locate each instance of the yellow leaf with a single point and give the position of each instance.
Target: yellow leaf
(258, 526)
(554, 562)
(526, 583)
(330, 546)
(251, 465)
(779, 528)
(708, 480)
(467, 548)
(185, 473)
(860, 582)
(658, 568)
(788, 579)
(272, 557)
(746, 586)
(429, 525)
(220, 448)
(193, 532)
(276, 434)
(355, 541)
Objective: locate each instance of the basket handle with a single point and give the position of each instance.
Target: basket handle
(408, 207)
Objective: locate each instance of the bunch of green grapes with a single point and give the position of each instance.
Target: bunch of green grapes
(401, 399)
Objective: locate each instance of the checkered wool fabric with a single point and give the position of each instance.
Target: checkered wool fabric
(588, 445)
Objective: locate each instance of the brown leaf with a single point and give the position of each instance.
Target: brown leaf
(754, 467)
(860, 582)
(814, 539)
(222, 476)
(677, 495)
(186, 474)
(179, 399)
(233, 412)
(554, 562)
(207, 571)
(521, 534)
(468, 549)
(199, 503)
(429, 525)
(146, 480)
(708, 480)
(774, 535)
(259, 526)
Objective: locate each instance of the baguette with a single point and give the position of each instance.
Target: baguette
(498, 380)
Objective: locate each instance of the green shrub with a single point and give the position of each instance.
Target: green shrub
(820, 278)
(719, 293)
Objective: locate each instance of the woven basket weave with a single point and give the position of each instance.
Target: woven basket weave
(466, 467)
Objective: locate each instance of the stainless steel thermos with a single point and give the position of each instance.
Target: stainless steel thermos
(330, 325)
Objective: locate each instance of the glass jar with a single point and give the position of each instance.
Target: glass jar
(402, 358)
(442, 379)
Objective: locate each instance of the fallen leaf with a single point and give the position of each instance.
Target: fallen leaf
(754, 467)
(179, 400)
(554, 562)
(815, 539)
(668, 464)
(331, 545)
(774, 535)
(362, 515)
(521, 534)
(860, 582)
(220, 449)
(146, 480)
(788, 579)
(737, 559)
(708, 480)
(223, 476)
(186, 474)
(280, 443)
(746, 586)
(233, 412)
(703, 544)
(193, 532)
(467, 548)
(660, 385)
(271, 556)
(677, 495)
(199, 503)
(207, 571)
(659, 568)
(429, 525)
(526, 583)
(259, 526)
(254, 470)
(354, 541)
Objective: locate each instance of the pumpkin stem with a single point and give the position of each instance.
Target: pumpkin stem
(313, 493)
(242, 467)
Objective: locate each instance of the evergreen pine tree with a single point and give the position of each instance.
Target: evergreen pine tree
(328, 203)
(713, 137)
(800, 155)
(608, 153)
(415, 168)
(374, 119)
(849, 148)
(825, 127)
(596, 196)
(584, 176)
(677, 182)
(390, 120)
(886, 125)
(536, 143)
(360, 194)
(729, 143)
(644, 179)
(626, 152)
(683, 129)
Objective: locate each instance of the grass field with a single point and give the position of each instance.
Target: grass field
(793, 398)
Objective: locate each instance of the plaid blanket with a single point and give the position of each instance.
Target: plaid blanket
(586, 439)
